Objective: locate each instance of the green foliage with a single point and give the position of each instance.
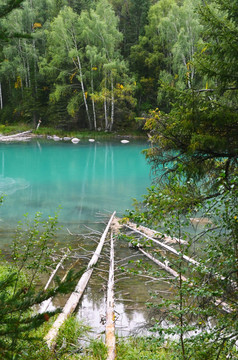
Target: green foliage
(202, 310)
(5, 9)
(145, 348)
(165, 53)
(32, 250)
(219, 53)
(68, 339)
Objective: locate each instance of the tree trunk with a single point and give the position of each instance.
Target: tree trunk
(105, 113)
(44, 306)
(112, 103)
(166, 247)
(74, 298)
(161, 264)
(93, 104)
(217, 302)
(83, 91)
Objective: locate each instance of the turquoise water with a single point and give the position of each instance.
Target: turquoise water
(84, 179)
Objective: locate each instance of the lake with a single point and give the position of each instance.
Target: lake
(88, 180)
(84, 179)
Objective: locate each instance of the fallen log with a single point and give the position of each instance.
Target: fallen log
(55, 270)
(161, 264)
(110, 315)
(177, 253)
(165, 246)
(19, 137)
(71, 267)
(217, 302)
(74, 298)
(44, 306)
(153, 233)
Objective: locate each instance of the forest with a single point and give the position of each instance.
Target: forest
(168, 68)
(106, 64)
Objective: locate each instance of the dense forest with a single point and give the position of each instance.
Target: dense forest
(169, 67)
(106, 64)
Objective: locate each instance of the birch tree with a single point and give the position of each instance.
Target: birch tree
(102, 40)
(20, 56)
(64, 61)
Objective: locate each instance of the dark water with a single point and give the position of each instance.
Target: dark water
(85, 179)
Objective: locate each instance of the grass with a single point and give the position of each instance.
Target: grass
(82, 134)
(13, 129)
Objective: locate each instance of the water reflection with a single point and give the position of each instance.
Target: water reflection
(9, 186)
(127, 322)
(84, 179)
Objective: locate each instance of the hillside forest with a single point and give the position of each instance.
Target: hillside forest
(104, 64)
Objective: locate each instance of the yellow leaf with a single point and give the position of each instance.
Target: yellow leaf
(72, 76)
(18, 83)
(37, 25)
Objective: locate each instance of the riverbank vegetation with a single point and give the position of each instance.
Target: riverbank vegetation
(195, 142)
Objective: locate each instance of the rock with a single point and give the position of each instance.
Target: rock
(56, 138)
(66, 138)
(91, 140)
(75, 140)
(125, 141)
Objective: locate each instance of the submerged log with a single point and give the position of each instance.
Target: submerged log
(153, 233)
(44, 306)
(74, 298)
(161, 264)
(55, 270)
(165, 246)
(218, 302)
(177, 253)
(110, 315)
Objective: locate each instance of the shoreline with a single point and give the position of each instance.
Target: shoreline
(11, 132)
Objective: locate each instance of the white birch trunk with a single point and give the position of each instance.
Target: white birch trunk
(83, 91)
(28, 72)
(74, 298)
(105, 104)
(112, 103)
(93, 104)
(105, 113)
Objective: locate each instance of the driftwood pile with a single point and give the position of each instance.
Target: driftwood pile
(23, 136)
(74, 298)
(148, 234)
